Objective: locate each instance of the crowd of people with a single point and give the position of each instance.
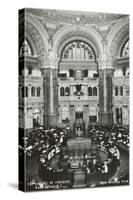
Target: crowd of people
(49, 142)
(51, 148)
(116, 134)
(45, 141)
(102, 138)
(120, 135)
(108, 140)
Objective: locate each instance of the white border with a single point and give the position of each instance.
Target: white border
(9, 100)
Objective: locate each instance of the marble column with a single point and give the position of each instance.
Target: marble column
(50, 90)
(106, 70)
(72, 117)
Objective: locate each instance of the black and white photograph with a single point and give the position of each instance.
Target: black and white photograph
(73, 99)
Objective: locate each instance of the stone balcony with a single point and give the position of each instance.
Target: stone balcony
(31, 101)
(83, 98)
(120, 99)
(82, 80)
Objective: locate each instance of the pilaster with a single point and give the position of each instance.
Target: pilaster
(50, 89)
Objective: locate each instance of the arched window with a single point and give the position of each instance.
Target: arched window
(38, 91)
(67, 91)
(116, 91)
(94, 91)
(89, 91)
(78, 50)
(125, 50)
(62, 92)
(33, 91)
(25, 91)
(25, 49)
(121, 91)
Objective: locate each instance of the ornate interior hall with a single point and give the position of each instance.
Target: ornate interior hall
(76, 69)
(74, 75)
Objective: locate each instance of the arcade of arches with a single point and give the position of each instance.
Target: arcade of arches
(76, 70)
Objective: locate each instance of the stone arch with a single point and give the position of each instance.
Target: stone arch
(78, 37)
(117, 37)
(73, 32)
(35, 34)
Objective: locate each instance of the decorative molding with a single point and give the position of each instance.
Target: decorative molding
(105, 62)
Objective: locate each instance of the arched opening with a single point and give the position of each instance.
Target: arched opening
(38, 91)
(78, 67)
(33, 91)
(89, 91)
(78, 50)
(94, 91)
(116, 91)
(81, 52)
(62, 92)
(121, 91)
(67, 91)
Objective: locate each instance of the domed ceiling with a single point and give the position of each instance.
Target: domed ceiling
(74, 17)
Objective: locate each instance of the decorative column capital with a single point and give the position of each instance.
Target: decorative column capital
(49, 60)
(105, 62)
